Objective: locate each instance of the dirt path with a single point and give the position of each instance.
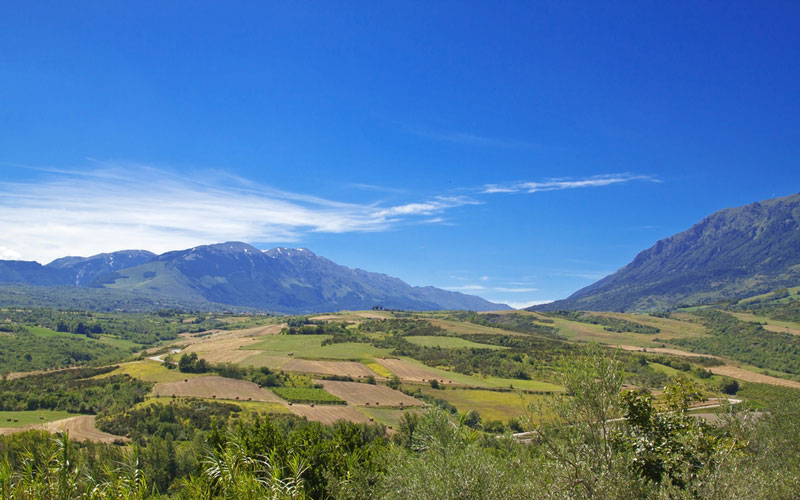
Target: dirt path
(748, 376)
(80, 428)
(666, 350)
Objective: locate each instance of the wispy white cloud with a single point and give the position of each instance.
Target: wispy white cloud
(86, 211)
(558, 184)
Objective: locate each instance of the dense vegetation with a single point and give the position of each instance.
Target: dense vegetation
(179, 420)
(610, 324)
(772, 307)
(21, 350)
(574, 449)
(746, 342)
(83, 390)
(515, 322)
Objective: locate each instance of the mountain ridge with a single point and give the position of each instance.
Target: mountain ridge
(730, 254)
(235, 273)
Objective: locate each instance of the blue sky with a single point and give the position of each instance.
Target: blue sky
(515, 150)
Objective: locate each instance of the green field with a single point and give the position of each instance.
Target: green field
(31, 417)
(671, 328)
(310, 347)
(386, 416)
(491, 405)
(449, 342)
(788, 326)
(46, 332)
(118, 342)
(489, 382)
(151, 371)
(307, 395)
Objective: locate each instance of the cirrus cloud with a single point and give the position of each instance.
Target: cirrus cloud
(557, 184)
(86, 211)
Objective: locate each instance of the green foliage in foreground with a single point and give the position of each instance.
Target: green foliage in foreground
(594, 442)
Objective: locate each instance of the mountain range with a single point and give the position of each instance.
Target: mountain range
(279, 280)
(731, 254)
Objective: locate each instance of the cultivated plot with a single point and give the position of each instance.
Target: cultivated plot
(491, 405)
(215, 387)
(328, 414)
(368, 394)
(450, 342)
(413, 372)
(345, 368)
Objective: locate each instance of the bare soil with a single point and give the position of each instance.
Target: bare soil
(666, 350)
(80, 428)
(216, 387)
(409, 372)
(346, 368)
(367, 394)
(748, 376)
(328, 414)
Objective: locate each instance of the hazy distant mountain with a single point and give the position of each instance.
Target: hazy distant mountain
(733, 253)
(31, 273)
(83, 270)
(70, 271)
(281, 279)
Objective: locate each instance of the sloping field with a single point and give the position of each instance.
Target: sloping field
(666, 350)
(347, 368)
(411, 372)
(748, 376)
(491, 405)
(769, 324)
(387, 416)
(310, 347)
(149, 371)
(80, 428)
(670, 328)
(234, 355)
(328, 414)
(367, 394)
(415, 371)
(211, 386)
(450, 342)
(16, 419)
(466, 328)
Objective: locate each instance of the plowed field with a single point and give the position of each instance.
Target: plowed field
(407, 371)
(368, 394)
(219, 387)
(328, 414)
